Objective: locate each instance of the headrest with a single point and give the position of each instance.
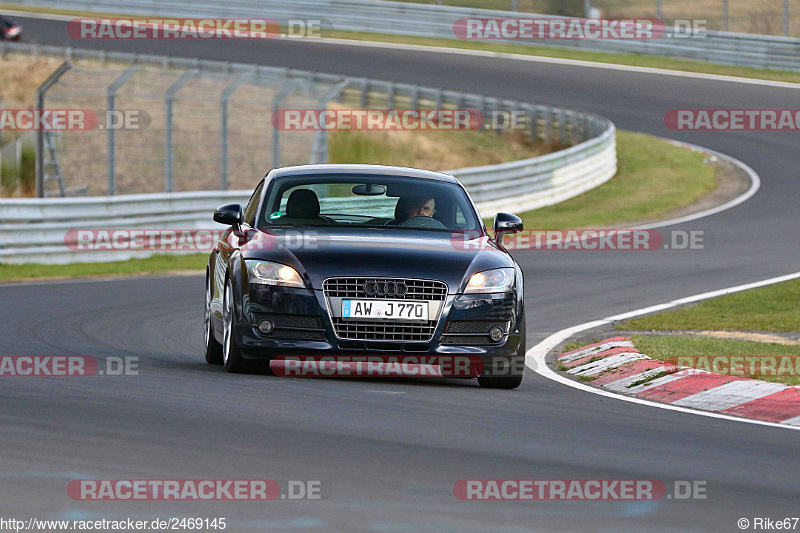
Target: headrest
(302, 203)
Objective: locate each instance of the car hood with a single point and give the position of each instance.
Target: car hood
(402, 254)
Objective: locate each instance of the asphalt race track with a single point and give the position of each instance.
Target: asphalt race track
(392, 449)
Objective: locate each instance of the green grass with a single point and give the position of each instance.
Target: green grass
(576, 344)
(772, 308)
(432, 150)
(672, 348)
(651, 377)
(654, 179)
(599, 57)
(23, 177)
(152, 265)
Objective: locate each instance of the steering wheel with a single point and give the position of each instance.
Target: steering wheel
(423, 222)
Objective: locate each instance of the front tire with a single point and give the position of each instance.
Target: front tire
(231, 356)
(213, 348)
(500, 382)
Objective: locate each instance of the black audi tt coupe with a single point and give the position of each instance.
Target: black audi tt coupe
(341, 260)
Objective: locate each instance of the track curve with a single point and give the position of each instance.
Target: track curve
(393, 449)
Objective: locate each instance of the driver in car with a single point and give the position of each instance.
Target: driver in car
(414, 206)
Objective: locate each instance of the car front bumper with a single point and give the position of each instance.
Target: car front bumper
(303, 326)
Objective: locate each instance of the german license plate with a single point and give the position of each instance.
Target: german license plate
(385, 309)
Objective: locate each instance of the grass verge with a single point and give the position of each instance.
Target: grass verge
(158, 264)
(771, 308)
(654, 179)
(758, 360)
(637, 60)
(768, 309)
(432, 150)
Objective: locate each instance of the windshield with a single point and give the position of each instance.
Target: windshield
(367, 201)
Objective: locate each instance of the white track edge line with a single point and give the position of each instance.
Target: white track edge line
(499, 55)
(535, 358)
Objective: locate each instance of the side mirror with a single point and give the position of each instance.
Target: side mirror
(505, 223)
(228, 214)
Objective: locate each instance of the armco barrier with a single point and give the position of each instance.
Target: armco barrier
(32, 230)
(402, 18)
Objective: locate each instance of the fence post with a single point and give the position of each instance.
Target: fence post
(414, 97)
(170, 98)
(364, 94)
(319, 149)
(40, 94)
(226, 95)
(548, 125)
(276, 104)
(111, 153)
(725, 13)
(390, 95)
(786, 18)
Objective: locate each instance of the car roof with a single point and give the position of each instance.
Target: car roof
(367, 170)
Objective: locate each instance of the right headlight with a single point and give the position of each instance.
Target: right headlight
(497, 280)
(267, 273)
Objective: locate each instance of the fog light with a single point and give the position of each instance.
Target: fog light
(265, 326)
(496, 333)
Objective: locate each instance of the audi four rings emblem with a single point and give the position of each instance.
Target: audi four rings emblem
(385, 288)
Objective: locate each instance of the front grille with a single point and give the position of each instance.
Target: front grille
(297, 334)
(383, 331)
(473, 326)
(417, 289)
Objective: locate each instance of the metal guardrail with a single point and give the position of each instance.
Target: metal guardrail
(422, 20)
(34, 230)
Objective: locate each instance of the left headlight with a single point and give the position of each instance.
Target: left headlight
(266, 273)
(497, 280)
